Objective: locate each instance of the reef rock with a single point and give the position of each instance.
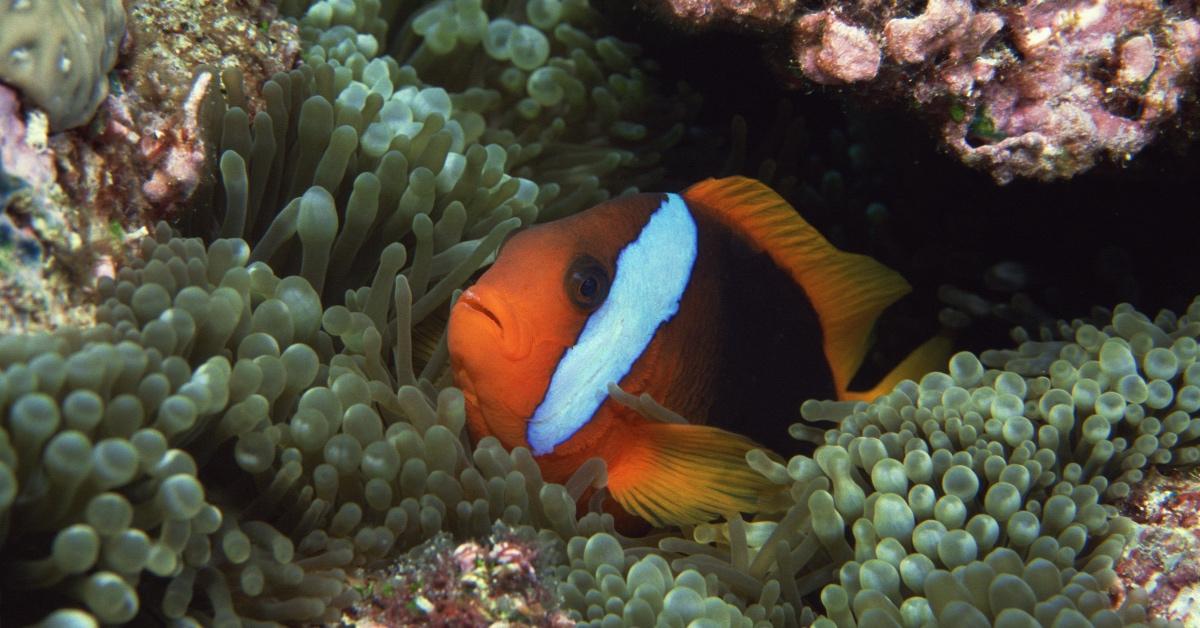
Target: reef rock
(1017, 89)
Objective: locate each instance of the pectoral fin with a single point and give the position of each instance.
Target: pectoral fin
(678, 474)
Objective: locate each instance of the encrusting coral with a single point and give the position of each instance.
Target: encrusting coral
(58, 54)
(1166, 508)
(1017, 89)
(500, 579)
(90, 192)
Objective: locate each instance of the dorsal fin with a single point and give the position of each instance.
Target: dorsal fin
(848, 291)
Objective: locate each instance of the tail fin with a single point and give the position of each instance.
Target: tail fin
(848, 291)
(932, 355)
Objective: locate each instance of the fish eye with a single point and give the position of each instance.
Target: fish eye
(587, 283)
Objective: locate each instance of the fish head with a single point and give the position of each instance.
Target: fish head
(508, 331)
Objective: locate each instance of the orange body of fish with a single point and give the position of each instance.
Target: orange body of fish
(631, 292)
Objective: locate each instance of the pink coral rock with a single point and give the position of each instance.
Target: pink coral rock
(945, 25)
(832, 51)
(704, 12)
(22, 156)
(1042, 89)
(178, 151)
(1163, 555)
(1089, 81)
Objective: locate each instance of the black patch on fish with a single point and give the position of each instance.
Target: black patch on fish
(772, 356)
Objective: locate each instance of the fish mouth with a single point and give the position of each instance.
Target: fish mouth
(507, 332)
(470, 300)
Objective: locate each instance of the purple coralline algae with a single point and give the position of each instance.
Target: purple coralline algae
(31, 213)
(22, 154)
(1017, 89)
(1163, 558)
(497, 581)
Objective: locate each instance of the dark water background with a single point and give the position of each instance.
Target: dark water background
(1112, 234)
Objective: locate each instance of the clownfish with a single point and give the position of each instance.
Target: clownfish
(637, 291)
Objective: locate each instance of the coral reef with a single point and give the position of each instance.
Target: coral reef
(501, 581)
(84, 195)
(23, 153)
(1161, 556)
(1038, 90)
(31, 296)
(58, 53)
(259, 419)
(18, 251)
(149, 132)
